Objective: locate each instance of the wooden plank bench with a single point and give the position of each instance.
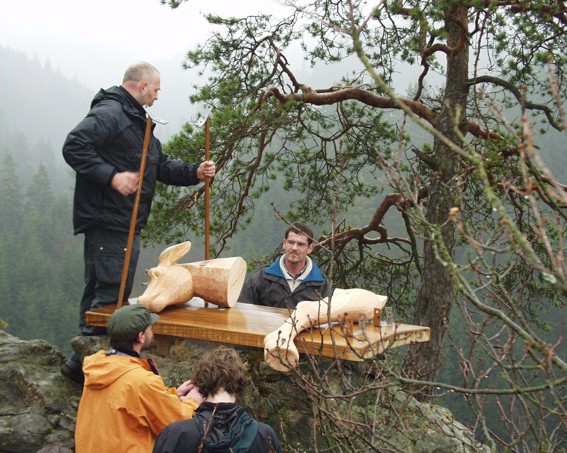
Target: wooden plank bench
(247, 325)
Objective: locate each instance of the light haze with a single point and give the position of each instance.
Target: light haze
(94, 41)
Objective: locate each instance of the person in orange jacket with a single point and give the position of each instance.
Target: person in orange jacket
(125, 403)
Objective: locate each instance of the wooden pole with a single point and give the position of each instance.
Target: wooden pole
(134, 218)
(207, 188)
(207, 192)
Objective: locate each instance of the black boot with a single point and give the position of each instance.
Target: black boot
(73, 369)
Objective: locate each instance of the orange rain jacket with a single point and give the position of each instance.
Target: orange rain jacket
(124, 405)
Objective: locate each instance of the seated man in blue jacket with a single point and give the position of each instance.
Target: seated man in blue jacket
(292, 278)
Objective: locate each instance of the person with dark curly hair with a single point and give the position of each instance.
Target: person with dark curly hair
(219, 424)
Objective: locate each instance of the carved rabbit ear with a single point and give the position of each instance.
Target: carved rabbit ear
(173, 254)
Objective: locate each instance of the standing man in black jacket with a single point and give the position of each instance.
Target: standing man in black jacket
(219, 424)
(105, 151)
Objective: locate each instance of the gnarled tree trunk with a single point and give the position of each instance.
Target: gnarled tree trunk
(436, 294)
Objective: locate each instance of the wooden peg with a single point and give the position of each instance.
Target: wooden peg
(377, 315)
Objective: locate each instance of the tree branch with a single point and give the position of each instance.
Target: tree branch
(519, 97)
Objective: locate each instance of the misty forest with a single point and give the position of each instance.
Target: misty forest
(447, 195)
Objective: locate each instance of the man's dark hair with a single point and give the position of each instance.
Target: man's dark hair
(122, 345)
(301, 228)
(220, 368)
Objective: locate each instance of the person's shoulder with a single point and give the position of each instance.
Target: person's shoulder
(273, 268)
(181, 429)
(107, 111)
(105, 96)
(180, 435)
(315, 274)
(97, 356)
(111, 101)
(138, 369)
(181, 425)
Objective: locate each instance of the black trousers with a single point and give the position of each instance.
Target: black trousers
(104, 254)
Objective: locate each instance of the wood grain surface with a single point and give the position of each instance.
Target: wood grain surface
(247, 325)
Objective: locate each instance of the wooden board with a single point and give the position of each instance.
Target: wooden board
(247, 325)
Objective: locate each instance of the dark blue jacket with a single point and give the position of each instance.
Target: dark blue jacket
(268, 286)
(108, 140)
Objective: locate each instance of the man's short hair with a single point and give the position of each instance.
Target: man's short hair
(300, 228)
(138, 71)
(220, 368)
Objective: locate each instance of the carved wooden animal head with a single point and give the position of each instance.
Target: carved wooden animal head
(218, 281)
(169, 283)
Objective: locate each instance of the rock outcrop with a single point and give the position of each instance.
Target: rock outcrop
(38, 405)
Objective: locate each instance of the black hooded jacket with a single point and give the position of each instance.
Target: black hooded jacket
(108, 140)
(217, 428)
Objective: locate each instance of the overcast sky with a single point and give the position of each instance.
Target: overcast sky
(94, 41)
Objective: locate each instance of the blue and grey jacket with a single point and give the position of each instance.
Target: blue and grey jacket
(268, 286)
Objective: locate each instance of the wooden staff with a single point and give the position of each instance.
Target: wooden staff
(134, 218)
(207, 188)
(207, 192)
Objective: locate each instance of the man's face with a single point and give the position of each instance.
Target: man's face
(296, 247)
(150, 90)
(148, 338)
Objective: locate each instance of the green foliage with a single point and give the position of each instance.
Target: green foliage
(437, 195)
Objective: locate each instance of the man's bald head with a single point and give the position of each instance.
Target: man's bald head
(142, 81)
